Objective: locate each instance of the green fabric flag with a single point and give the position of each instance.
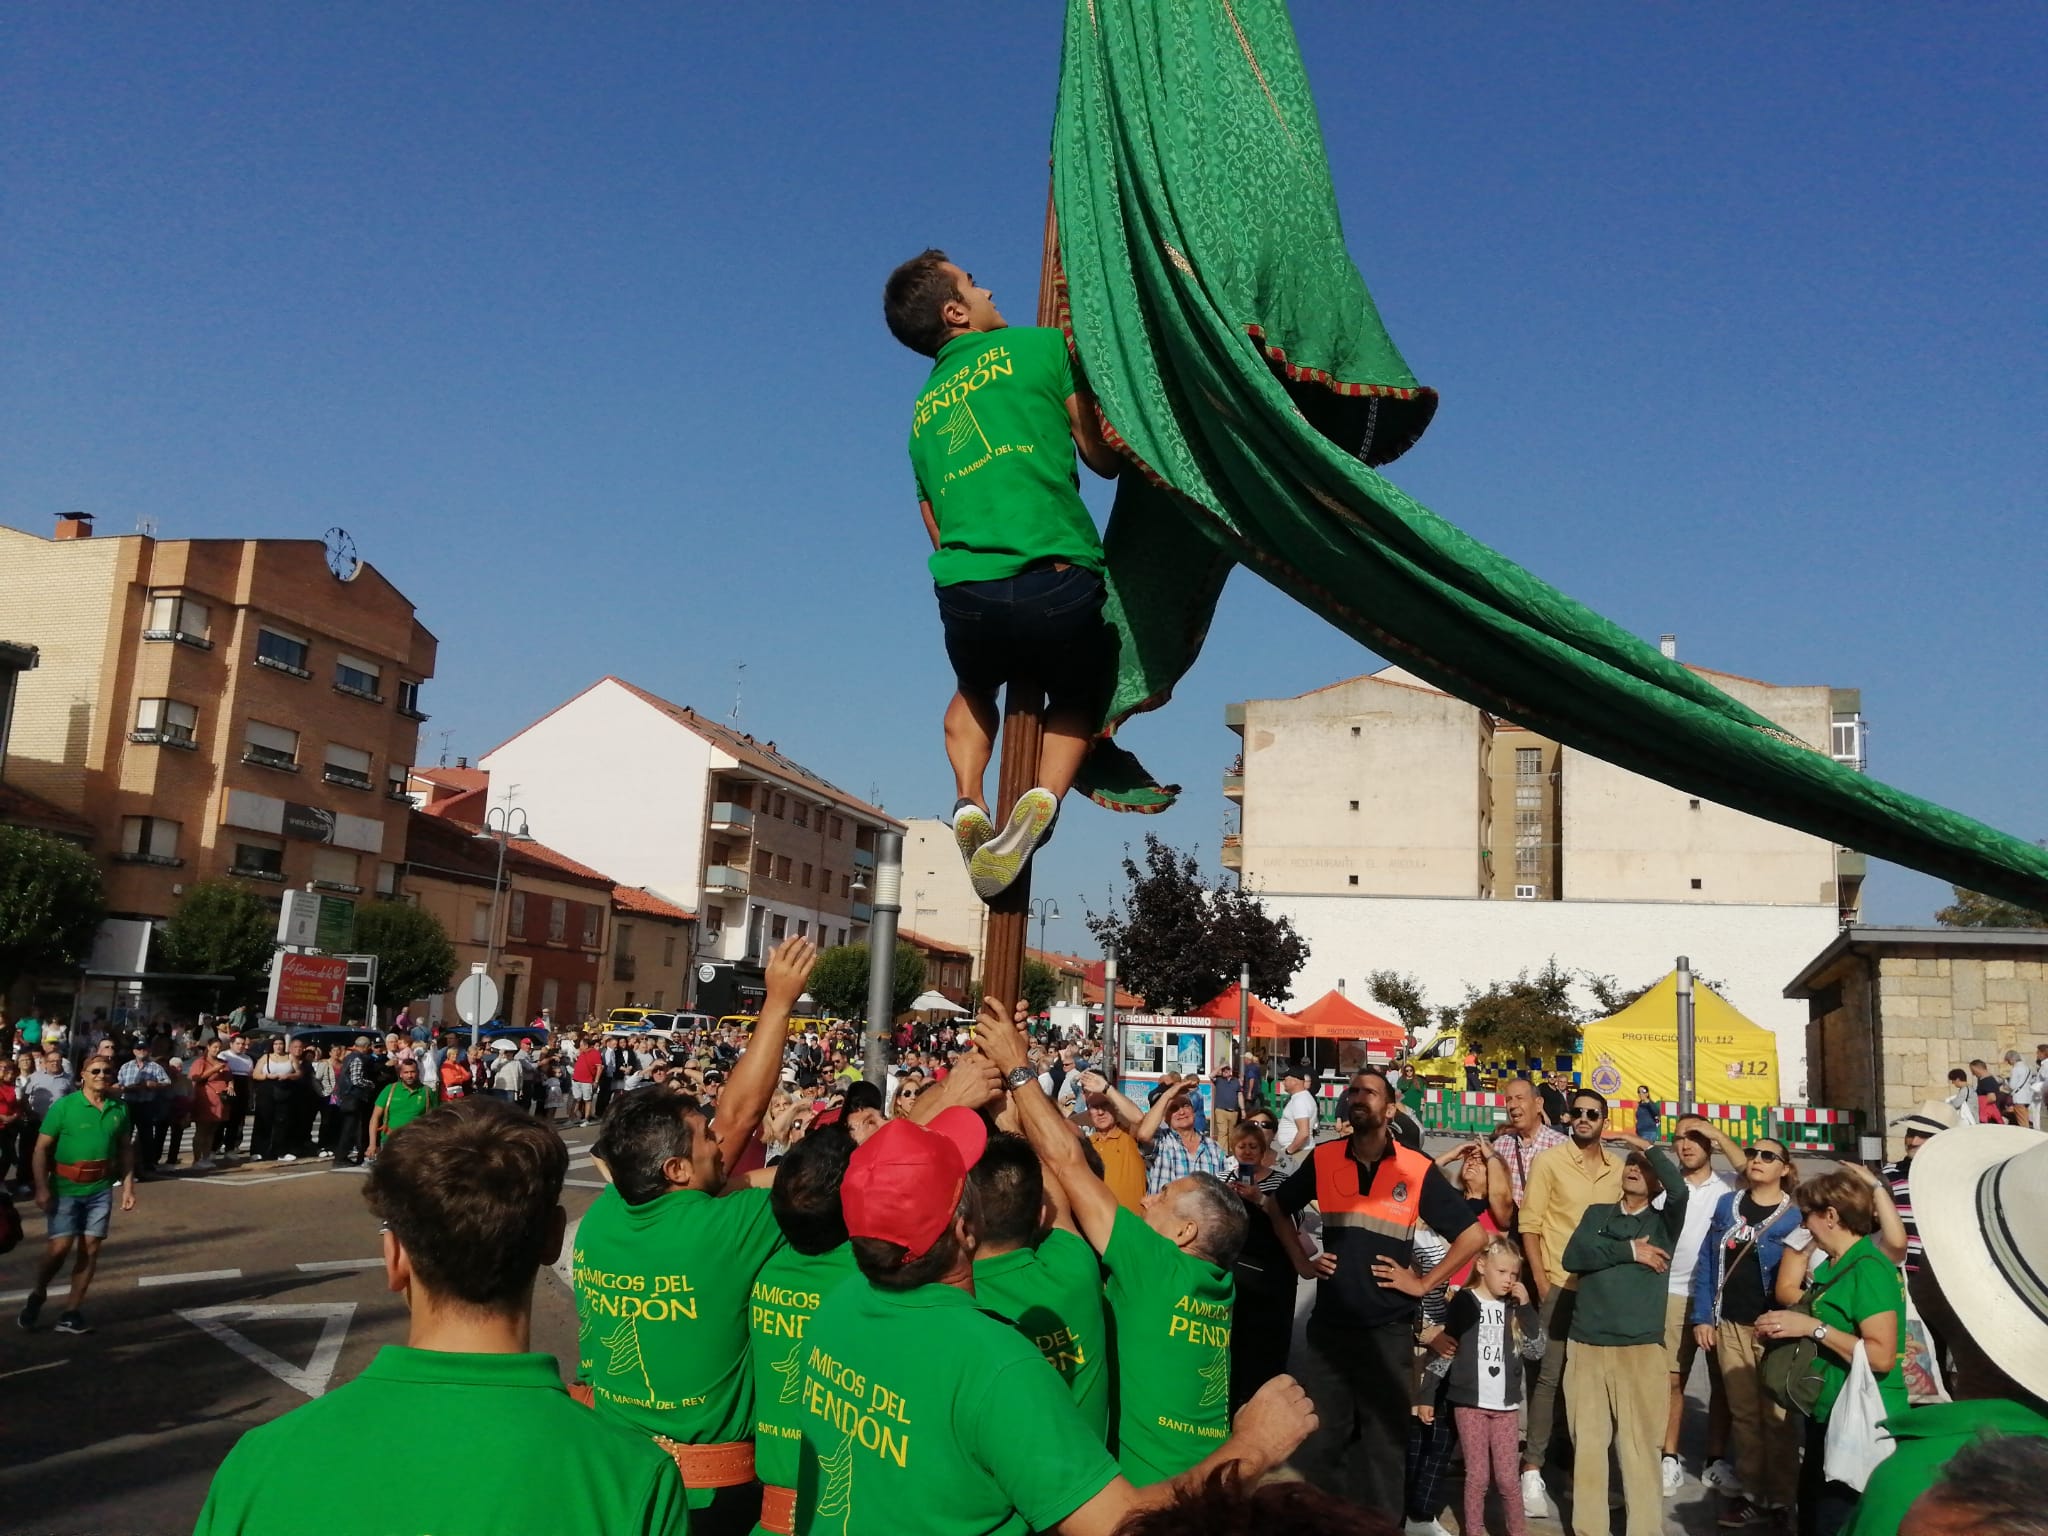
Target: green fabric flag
(1239, 360)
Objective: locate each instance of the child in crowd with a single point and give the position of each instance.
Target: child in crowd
(1496, 1327)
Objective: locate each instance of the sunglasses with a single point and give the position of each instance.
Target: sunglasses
(1765, 1155)
(1587, 1114)
(98, 1072)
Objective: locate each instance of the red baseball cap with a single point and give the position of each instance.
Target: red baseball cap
(903, 1183)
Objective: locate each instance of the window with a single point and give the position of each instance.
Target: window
(149, 840)
(270, 746)
(781, 810)
(778, 928)
(1696, 883)
(784, 866)
(1845, 738)
(354, 675)
(846, 885)
(1354, 805)
(825, 881)
(1692, 805)
(800, 815)
(387, 878)
(550, 995)
(558, 920)
(165, 721)
(657, 997)
(590, 926)
(409, 700)
(838, 829)
(1525, 893)
(396, 777)
(1528, 859)
(260, 858)
(668, 950)
(1354, 733)
(1528, 762)
(1351, 879)
(808, 872)
(480, 924)
(803, 927)
(764, 862)
(515, 913)
(1529, 793)
(348, 765)
(282, 652)
(335, 869)
(622, 937)
(172, 617)
(583, 999)
(842, 936)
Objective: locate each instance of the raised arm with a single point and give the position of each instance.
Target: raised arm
(1890, 1236)
(1155, 1117)
(1059, 1149)
(1085, 424)
(759, 1070)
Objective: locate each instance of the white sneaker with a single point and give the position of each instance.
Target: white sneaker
(1721, 1476)
(1674, 1475)
(1535, 1497)
(1424, 1528)
(205, 1164)
(324, 1156)
(289, 1157)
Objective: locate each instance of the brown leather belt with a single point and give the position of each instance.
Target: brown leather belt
(702, 1466)
(84, 1173)
(778, 1509)
(711, 1466)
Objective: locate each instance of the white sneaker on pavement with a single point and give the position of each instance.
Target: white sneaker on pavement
(1424, 1528)
(1721, 1476)
(289, 1157)
(1535, 1497)
(1674, 1475)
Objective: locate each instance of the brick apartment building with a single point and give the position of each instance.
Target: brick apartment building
(243, 708)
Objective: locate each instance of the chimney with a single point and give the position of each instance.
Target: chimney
(74, 525)
(1668, 644)
(462, 762)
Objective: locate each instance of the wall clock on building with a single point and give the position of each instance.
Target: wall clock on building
(342, 559)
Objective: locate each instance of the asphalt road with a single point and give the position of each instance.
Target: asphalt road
(225, 1300)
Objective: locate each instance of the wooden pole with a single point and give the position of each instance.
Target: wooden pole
(1009, 914)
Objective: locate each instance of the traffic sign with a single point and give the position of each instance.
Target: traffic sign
(476, 1000)
(306, 989)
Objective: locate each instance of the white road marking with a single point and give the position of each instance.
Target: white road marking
(564, 1268)
(325, 1266)
(311, 1378)
(47, 1365)
(13, 1296)
(262, 1178)
(585, 1183)
(193, 1277)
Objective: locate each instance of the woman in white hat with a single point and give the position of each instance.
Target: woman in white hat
(1984, 1234)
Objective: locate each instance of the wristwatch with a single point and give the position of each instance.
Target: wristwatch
(1019, 1076)
(1820, 1332)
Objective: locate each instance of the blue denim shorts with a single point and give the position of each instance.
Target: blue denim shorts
(82, 1215)
(1041, 627)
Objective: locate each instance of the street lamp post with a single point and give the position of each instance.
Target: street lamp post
(502, 824)
(1045, 909)
(888, 905)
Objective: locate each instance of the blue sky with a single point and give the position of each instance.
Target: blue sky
(570, 315)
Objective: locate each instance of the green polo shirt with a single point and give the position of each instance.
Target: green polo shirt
(403, 1105)
(85, 1135)
(1054, 1294)
(787, 1295)
(1172, 1313)
(1869, 1283)
(661, 1299)
(993, 453)
(1923, 1440)
(553, 1466)
(925, 1416)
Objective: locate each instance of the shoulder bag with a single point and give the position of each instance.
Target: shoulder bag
(1791, 1370)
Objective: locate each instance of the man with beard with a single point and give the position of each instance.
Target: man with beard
(1372, 1192)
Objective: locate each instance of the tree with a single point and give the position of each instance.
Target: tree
(50, 904)
(839, 981)
(1973, 909)
(1041, 985)
(1610, 997)
(1180, 942)
(1529, 1016)
(1404, 995)
(414, 957)
(222, 928)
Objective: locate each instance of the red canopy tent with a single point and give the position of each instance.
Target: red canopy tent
(1266, 1023)
(1333, 1016)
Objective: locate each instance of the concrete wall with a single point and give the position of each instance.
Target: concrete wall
(1752, 950)
(61, 598)
(1629, 838)
(939, 900)
(1366, 786)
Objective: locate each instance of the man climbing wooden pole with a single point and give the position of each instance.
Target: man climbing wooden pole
(1017, 566)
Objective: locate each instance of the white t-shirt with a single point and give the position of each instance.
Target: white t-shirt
(1301, 1106)
(237, 1063)
(1490, 1338)
(1699, 1211)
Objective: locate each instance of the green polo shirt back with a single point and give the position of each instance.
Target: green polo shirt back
(85, 1135)
(662, 1292)
(1053, 1293)
(925, 1416)
(1172, 1312)
(787, 1294)
(552, 1465)
(993, 453)
(1924, 1439)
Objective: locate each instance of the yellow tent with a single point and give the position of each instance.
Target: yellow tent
(1734, 1061)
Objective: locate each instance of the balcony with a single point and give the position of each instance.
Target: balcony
(863, 913)
(161, 860)
(1233, 851)
(625, 967)
(1233, 717)
(164, 739)
(724, 878)
(342, 886)
(1233, 781)
(182, 636)
(863, 858)
(727, 817)
(348, 777)
(270, 757)
(369, 694)
(252, 872)
(285, 667)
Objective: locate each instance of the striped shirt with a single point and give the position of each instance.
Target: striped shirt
(1169, 1159)
(1520, 1155)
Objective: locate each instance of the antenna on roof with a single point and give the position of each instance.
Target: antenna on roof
(739, 684)
(446, 736)
(146, 526)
